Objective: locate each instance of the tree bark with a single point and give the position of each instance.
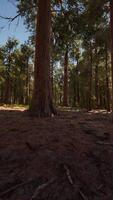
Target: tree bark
(65, 89)
(107, 79)
(7, 91)
(96, 80)
(90, 81)
(77, 84)
(111, 24)
(42, 104)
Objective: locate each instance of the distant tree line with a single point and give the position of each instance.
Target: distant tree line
(16, 72)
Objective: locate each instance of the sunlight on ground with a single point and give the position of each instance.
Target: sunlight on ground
(68, 109)
(99, 111)
(13, 107)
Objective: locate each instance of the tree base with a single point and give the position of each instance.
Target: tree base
(37, 112)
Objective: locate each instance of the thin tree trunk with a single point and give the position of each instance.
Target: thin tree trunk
(96, 86)
(7, 91)
(90, 82)
(27, 92)
(65, 89)
(1, 94)
(111, 22)
(51, 73)
(107, 79)
(96, 80)
(42, 104)
(77, 84)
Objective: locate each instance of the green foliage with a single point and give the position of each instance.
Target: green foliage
(82, 27)
(14, 71)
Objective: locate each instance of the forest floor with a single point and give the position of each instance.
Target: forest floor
(66, 157)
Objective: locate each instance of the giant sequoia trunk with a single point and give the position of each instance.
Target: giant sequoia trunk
(65, 89)
(42, 96)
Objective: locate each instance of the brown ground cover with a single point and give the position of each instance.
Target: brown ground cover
(67, 157)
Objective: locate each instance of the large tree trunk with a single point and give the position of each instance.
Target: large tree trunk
(42, 96)
(65, 89)
(111, 22)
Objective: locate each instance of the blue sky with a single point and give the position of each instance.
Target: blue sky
(7, 9)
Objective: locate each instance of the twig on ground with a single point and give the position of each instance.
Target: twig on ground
(14, 188)
(82, 195)
(99, 187)
(41, 187)
(68, 174)
(72, 183)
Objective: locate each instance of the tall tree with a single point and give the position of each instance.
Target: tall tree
(111, 21)
(42, 104)
(9, 48)
(65, 90)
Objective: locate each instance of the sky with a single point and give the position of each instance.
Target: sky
(7, 9)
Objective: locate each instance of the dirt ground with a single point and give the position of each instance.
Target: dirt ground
(67, 157)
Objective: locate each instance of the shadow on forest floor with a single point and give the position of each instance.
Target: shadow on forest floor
(70, 156)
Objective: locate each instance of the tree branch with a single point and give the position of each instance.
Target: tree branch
(11, 19)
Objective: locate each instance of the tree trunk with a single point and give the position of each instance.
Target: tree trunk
(111, 22)
(90, 81)
(96, 86)
(7, 91)
(77, 84)
(65, 89)
(51, 74)
(1, 93)
(42, 104)
(107, 79)
(96, 80)
(27, 92)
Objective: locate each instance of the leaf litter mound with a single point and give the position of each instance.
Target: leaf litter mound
(66, 157)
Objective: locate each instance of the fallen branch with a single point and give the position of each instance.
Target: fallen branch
(14, 188)
(100, 186)
(82, 195)
(41, 187)
(68, 174)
